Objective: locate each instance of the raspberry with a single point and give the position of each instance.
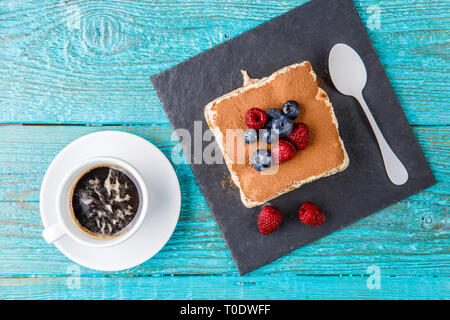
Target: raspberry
(255, 118)
(283, 151)
(310, 214)
(269, 219)
(299, 136)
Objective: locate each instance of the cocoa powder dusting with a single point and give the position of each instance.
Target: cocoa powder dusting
(324, 151)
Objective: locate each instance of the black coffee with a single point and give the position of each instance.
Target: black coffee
(104, 201)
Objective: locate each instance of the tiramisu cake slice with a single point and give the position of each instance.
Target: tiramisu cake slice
(285, 121)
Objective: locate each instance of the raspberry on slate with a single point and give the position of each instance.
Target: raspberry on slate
(255, 118)
(299, 136)
(283, 151)
(269, 219)
(310, 214)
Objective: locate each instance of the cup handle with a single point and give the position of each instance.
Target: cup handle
(53, 233)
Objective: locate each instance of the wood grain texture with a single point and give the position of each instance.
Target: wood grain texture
(90, 61)
(407, 239)
(228, 288)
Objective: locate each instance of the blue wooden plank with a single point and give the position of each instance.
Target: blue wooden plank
(90, 61)
(206, 287)
(407, 239)
(26, 152)
(56, 68)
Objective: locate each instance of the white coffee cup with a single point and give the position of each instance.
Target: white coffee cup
(66, 225)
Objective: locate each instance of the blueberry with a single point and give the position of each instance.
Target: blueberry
(261, 160)
(268, 124)
(291, 109)
(269, 135)
(250, 136)
(284, 125)
(273, 113)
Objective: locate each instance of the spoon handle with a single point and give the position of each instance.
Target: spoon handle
(395, 169)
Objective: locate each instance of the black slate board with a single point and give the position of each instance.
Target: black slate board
(308, 33)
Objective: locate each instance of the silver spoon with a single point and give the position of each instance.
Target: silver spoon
(349, 76)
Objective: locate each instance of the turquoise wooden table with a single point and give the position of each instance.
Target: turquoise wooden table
(68, 68)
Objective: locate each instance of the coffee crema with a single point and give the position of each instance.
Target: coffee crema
(104, 201)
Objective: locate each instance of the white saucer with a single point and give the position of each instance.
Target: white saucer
(161, 180)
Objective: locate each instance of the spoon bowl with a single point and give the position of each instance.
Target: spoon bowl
(347, 70)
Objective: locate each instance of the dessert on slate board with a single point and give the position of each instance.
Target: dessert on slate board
(288, 129)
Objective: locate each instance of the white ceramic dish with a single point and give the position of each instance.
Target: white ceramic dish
(161, 182)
